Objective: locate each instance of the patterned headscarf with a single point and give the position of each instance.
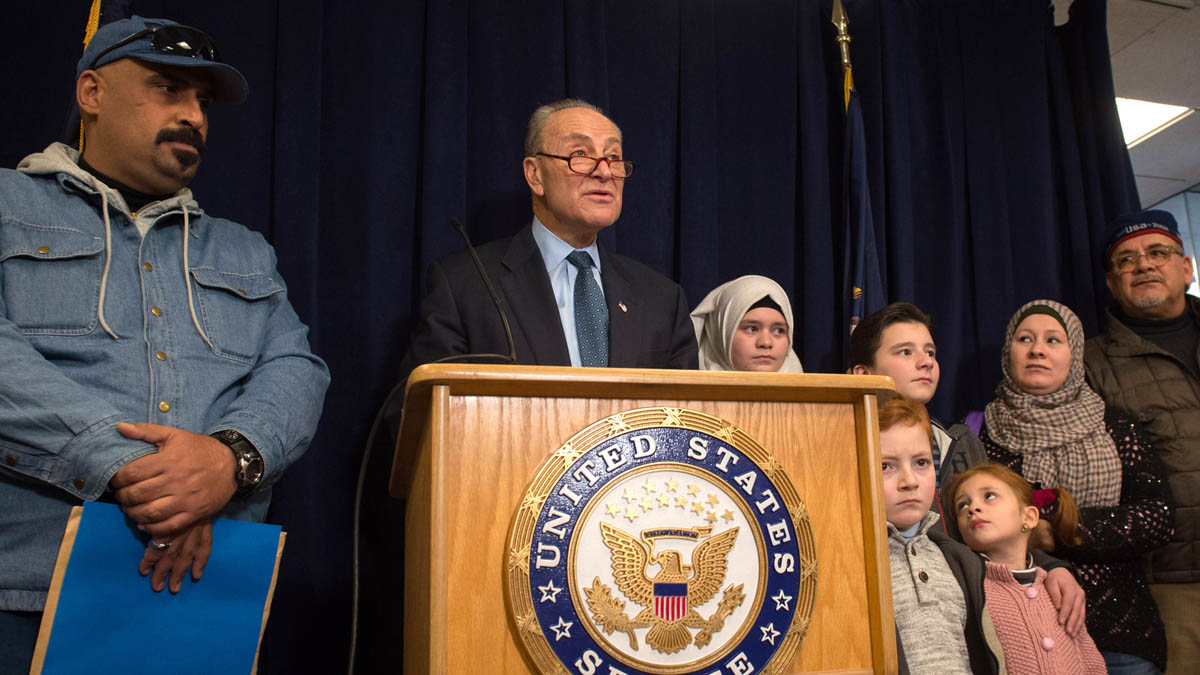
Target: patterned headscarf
(718, 315)
(1062, 434)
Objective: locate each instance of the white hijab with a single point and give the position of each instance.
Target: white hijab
(716, 319)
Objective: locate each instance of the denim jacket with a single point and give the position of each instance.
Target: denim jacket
(100, 324)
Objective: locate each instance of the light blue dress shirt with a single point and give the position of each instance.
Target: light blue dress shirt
(562, 279)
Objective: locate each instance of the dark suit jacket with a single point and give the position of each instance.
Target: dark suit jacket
(649, 324)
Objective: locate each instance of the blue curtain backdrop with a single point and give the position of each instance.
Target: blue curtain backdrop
(993, 147)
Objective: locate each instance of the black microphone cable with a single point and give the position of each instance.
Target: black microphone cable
(511, 357)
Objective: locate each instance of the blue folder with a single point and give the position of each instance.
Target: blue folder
(103, 617)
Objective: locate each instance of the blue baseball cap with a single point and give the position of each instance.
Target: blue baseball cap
(1132, 225)
(167, 42)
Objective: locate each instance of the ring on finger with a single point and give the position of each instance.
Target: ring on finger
(159, 545)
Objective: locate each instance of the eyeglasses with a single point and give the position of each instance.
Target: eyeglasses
(1156, 255)
(581, 164)
(172, 39)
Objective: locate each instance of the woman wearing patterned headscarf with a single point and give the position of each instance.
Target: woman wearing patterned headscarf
(1047, 424)
(746, 324)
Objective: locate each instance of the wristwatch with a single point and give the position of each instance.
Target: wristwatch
(248, 467)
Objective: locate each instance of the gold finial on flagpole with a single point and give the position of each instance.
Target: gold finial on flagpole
(843, 39)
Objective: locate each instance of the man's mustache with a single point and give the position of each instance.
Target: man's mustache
(182, 135)
(1148, 276)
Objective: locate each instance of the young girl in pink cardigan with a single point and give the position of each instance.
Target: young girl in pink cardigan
(995, 512)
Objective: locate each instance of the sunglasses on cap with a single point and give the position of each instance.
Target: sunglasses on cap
(173, 39)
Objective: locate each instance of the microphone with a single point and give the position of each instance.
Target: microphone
(487, 281)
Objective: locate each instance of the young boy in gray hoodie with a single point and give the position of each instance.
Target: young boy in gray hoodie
(942, 625)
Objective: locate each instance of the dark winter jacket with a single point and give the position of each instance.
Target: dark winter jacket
(1158, 391)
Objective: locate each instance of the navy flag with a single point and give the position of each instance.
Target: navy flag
(864, 288)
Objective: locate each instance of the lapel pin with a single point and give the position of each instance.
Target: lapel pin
(622, 306)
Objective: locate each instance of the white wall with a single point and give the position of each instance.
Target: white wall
(1185, 206)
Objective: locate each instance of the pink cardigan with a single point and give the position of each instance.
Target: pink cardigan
(1027, 624)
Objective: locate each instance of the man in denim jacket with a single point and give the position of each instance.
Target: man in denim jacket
(148, 353)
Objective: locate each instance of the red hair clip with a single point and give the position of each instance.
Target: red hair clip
(1046, 501)
(1044, 498)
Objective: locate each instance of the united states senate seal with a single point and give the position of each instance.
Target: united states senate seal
(661, 541)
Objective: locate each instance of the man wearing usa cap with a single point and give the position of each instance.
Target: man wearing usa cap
(1146, 362)
(148, 352)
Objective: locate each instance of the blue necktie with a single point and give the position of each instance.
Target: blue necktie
(591, 315)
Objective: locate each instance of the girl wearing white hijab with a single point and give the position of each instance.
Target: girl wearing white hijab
(746, 324)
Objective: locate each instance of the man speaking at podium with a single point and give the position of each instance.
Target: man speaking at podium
(568, 300)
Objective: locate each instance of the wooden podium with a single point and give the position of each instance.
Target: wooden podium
(473, 436)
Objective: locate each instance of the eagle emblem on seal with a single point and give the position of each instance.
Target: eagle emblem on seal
(668, 600)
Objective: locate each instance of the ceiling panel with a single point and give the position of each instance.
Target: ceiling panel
(1162, 65)
(1155, 49)
(1130, 19)
(1153, 190)
(1173, 153)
